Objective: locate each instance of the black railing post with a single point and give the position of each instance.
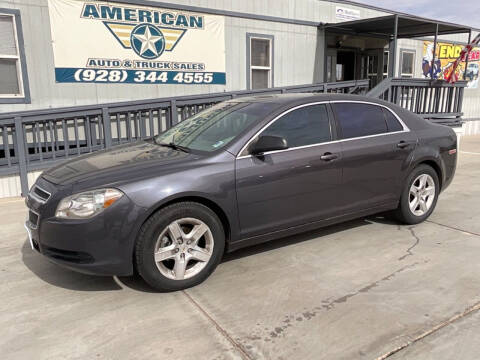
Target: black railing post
(143, 125)
(397, 95)
(468, 53)
(107, 127)
(21, 156)
(93, 132)
(462, 92)
(435, 40)
(173, 112)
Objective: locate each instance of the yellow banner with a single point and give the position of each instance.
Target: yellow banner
(445, 56)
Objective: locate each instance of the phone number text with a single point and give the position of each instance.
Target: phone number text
(86, 75)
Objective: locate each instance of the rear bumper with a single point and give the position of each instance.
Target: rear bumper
(102, 245)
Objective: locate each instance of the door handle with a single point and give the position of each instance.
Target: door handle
(328, 156)
(402, 144)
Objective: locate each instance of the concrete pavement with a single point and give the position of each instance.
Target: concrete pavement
(365, 289)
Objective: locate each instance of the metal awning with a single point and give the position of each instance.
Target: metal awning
(394, 27)
(408, 27)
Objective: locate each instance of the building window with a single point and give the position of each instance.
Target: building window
(260, 61)
(385, 63)
(407, 61)
(13, 78)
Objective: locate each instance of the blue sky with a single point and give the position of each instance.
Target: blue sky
(466, 12)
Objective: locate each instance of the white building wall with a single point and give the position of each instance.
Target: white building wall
(295, 58)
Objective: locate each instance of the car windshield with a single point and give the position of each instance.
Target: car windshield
(215, 127)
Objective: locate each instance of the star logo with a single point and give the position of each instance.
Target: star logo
(145, 44)
(147, 41)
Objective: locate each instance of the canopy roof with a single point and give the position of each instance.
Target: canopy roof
(384, 26)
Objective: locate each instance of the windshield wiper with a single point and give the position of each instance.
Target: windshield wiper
(174, 146)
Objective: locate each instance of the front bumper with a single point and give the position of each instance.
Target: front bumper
(102, 245)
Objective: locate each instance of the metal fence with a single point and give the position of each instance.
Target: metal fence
(38, 139)
(435, 100)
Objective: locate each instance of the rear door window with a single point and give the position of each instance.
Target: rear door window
(392, 122)
(307, 125)
(357, 119)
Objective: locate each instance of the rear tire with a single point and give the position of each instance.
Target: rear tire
(179, 246)
(419, 196)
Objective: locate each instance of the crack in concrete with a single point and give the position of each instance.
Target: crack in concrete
(220, 329)
(409, 250)
(431, 331)
(453, 228)
(269, 334)
(372, 285)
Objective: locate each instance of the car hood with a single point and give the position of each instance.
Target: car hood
(118, 163)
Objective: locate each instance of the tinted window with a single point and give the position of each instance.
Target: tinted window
(392, 123)
(357, 120)
(305, 126)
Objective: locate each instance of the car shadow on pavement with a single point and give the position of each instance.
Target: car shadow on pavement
(294, 239)
(137, 283)
(62, 277)
(65, 278)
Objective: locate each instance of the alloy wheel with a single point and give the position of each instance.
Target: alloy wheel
(422, 194)
(183, 248)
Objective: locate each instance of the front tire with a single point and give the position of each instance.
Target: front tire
(179, 246)
(419, 196)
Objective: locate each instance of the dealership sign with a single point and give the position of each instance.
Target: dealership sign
(100, 42)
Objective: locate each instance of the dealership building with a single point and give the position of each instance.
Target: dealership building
(77, 53)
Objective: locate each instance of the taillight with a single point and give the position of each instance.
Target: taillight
(452, 151)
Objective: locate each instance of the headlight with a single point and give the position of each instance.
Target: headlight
(87, 204)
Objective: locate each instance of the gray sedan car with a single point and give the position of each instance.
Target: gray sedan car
(239, 173)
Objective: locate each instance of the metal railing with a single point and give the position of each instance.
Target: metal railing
(38, 139)
(435, 100)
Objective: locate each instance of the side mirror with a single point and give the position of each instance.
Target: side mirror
(268, 143)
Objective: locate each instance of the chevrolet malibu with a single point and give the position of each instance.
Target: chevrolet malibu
(239, 173)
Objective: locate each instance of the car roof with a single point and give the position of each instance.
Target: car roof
(299, 98)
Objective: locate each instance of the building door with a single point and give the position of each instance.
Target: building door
(369, 68)
(345, 69)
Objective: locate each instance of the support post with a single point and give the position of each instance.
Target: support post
(107, 127)
(434, 51)
(466, 56)
(21, 156)
(392, 50)
(173, 113)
